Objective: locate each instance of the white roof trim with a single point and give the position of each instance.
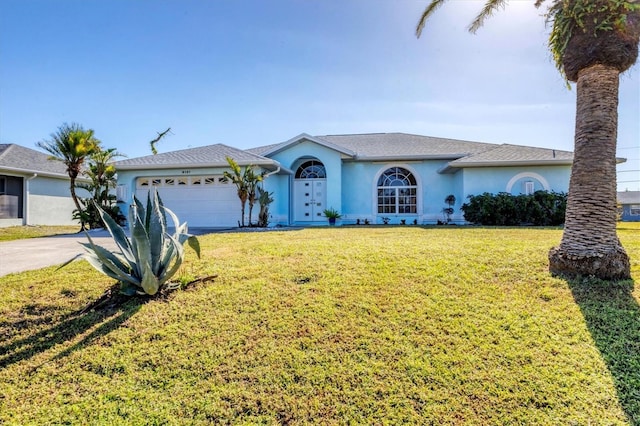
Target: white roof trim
(272, 163)
(25, 172)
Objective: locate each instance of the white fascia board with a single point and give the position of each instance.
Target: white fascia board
(463, 165)
(381, 158)
(24, 172)
(271, 163)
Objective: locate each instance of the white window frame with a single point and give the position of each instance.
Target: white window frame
(394, 192)
(529, 187)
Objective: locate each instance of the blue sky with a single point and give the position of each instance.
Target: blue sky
(249, 73)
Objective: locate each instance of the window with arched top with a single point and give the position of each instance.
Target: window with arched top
(312, 169)
(397, 192)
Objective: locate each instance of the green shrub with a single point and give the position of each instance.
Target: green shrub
(150, 257)
(541, 208)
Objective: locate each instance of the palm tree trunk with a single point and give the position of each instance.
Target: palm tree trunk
(74, 197)
(590, 245)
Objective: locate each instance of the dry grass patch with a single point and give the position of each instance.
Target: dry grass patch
(330, 326)
(22, 232)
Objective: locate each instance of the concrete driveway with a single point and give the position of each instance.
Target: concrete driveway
(36, 253)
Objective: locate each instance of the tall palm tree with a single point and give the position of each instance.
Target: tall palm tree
(592, 42)
(71, 144)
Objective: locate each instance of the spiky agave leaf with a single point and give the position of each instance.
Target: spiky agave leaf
(182, 234)
(118, 235)
(177, 258)
(156, 228)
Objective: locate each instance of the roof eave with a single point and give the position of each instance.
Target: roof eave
(40, 173)
(464, 165)
(408, 157)
(272, 164)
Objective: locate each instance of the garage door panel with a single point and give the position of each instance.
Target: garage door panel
(201, 205)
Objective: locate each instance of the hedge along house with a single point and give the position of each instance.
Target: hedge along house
(374, 177)
(34, 190)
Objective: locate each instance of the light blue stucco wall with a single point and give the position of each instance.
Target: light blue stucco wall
(278, 185)
(360, 190)
(295, 155)
(511, 179)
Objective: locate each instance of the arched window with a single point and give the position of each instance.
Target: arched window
(397, 189)
(312, 169)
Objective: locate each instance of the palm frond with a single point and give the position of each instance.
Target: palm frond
(433, 6)
(487, 11)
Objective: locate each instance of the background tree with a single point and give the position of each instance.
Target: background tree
(592, 42)
(153, 142)
(71, 144)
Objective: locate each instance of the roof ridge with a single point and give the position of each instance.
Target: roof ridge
(8, 147)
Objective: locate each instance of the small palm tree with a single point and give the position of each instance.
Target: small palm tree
(252, 181)
(237, 177)
(71, 144)
(592, 42)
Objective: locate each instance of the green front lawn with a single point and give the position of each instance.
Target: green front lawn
(21, 232)
(365, 325)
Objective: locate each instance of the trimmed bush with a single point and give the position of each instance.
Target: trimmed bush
(541, 208)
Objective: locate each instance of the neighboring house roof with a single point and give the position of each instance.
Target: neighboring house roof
(204, 156)
(629, 197)
(19, 159)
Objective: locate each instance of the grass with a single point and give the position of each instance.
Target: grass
(382, 325)
(22, 232)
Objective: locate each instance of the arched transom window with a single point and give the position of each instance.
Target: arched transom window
(397, 189)
(312, 169)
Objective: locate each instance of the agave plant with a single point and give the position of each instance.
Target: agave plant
(150, 257)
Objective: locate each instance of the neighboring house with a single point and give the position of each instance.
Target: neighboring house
(630, 206)
(367, 177)
(34, 190)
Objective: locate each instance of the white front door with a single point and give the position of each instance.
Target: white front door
(309, 199)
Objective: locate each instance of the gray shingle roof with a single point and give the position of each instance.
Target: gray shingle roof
(204, 156)
(403, 145)
(629, 197)
(390, 146)
(514, 154)
(20, 159)
(372, 146)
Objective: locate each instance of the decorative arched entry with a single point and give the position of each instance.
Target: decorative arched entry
(309, 192)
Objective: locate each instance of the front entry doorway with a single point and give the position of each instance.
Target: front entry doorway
(310, 192)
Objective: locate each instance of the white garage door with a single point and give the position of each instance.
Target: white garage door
(201, 201)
